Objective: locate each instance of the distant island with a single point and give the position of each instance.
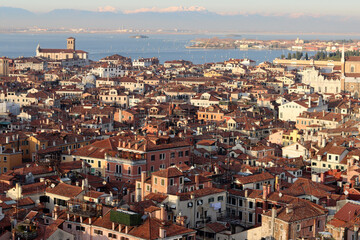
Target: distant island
(139, 36)
(296, 45)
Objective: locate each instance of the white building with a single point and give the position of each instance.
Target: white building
(112, 71)
(145, 62)
(324, 83)
(289, 111)
(10, 107)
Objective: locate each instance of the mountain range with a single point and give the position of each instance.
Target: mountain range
(185, 20)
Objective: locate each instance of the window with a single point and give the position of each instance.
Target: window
(111, 235)
(129, 170)
(250, 217)
(186, 153)
(59, 202)
(98, 232)
(251, 205)
(180, 154)
(155, 180)
(171, 181)
(162, 156)
(259, 218)
(152, 158)
(5, 169)
(220, 198)
(240, 202)
(69, 226)
(162, 182)
(139, 170)
(240, 215)
(5, 159)
(172, 155)
(199, 202)
(311, 228)
(181, 180)
(99, 164)
(211, 200)
(118, 169)
(298, 227)
(80, 228)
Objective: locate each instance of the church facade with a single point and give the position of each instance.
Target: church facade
(65, 57)
(350, 68)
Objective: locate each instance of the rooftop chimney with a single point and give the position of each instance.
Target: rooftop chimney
(289, 208)
(265, 193)
(163, 213)
(197, 181)
(162, 232)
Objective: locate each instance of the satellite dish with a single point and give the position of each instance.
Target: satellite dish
(346, 192)
(280, 194)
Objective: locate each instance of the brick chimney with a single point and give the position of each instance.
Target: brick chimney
(163, 214)
(197, 181)
(265, 192)
(268, 189)
(322, 177)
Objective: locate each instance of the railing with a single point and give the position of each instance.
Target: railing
(26, 235)
(84, 209)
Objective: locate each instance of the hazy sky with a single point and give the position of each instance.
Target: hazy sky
(267, 7)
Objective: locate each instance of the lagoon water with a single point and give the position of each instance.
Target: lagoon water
(163, 46)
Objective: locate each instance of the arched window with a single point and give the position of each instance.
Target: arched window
(352, 69)
(118, 169)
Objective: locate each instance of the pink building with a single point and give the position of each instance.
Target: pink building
(148, 154)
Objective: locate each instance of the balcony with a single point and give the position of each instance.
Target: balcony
(83, 209)
(118, 174)
(26, 230)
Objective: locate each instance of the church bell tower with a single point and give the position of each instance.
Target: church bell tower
(71, 43)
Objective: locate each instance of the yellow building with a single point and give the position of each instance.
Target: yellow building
(47, 140)
(10, 153)
(290, 137)
(213, 73)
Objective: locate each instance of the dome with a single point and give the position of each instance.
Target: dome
(89, 79)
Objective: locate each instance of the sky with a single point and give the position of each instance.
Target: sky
(344, 8)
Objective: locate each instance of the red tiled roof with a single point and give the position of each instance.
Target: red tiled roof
(254, 178)
(168, 173)
(66, 190)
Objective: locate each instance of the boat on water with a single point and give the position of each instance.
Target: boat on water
(139, 36)
(233, 35)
